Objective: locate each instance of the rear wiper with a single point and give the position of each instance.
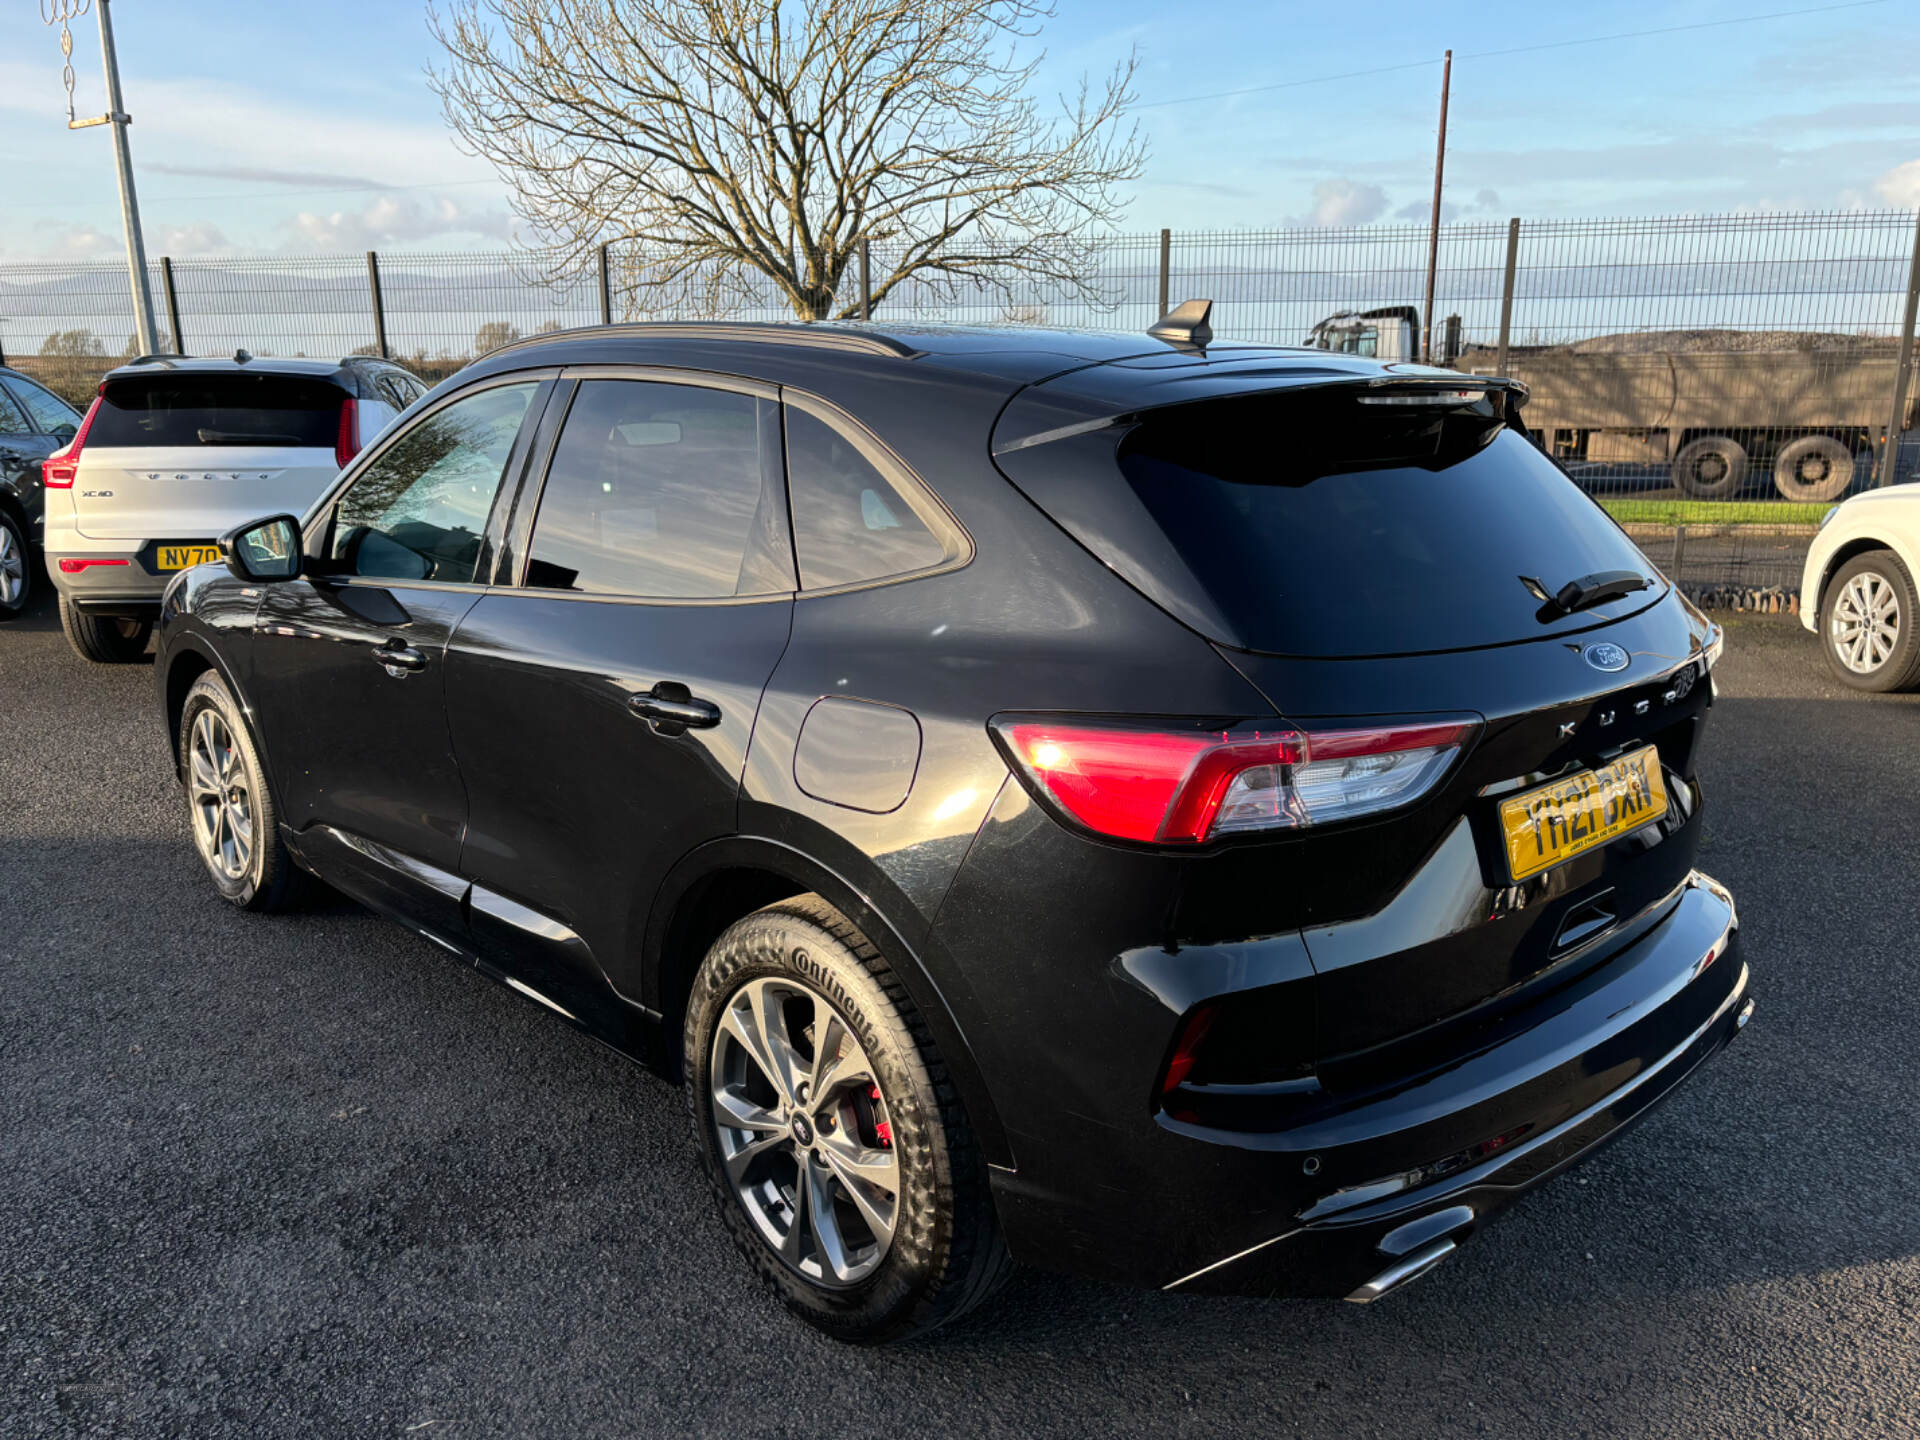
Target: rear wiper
(1587, 591)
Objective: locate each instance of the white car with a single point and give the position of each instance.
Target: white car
(175, 452)
(1857, 591)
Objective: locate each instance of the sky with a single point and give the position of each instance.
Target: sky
(283, 126)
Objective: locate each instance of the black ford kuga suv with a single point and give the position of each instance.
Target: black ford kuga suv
(1208, 816)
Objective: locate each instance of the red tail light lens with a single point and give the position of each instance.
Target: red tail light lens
(347, 444)
(60, 467)
(1186, 1049)
(74, 567)
(1183, 786)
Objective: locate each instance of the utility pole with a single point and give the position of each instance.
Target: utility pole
(117, 118)
(1433, 233)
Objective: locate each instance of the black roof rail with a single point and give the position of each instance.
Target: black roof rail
(822, 336)
(154, 358)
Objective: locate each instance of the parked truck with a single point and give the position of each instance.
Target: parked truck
(1720, 419)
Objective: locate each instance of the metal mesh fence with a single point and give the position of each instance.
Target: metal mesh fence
(1716, 381)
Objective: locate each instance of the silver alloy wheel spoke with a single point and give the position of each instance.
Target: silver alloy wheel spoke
(1865, 629)
(13, 570)
(830, 1247)
(871, 1179)
(801, 1127)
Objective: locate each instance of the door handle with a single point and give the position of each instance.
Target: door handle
(399, 659)
(672, 709)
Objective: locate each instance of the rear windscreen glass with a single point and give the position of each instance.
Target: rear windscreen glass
(1313, 525)
(238, 409)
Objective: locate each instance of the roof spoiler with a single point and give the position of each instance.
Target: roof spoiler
(1426, 385)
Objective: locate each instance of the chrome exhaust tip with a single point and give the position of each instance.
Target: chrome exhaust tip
(1403, 1272)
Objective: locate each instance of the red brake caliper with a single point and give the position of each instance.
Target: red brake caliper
(882, 1128)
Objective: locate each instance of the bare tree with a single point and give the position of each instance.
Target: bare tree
(494, 334)
(741, 142)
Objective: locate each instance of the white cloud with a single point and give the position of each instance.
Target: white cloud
(1900, 186)
(396, 220)
(198, 237)
(1346, 202)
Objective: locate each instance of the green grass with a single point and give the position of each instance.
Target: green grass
(1713, 512)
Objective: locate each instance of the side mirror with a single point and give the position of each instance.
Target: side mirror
(265, 550)
(63, 432)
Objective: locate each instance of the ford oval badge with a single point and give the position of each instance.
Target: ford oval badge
(1605, 655)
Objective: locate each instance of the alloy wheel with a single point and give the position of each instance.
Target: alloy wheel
(13, 568)
(804, 1131)
(221, 795)
(1866, 622)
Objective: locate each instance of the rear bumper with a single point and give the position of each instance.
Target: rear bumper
(127, 584)
(1375, 1192)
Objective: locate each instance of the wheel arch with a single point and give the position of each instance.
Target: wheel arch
(188, 658)
(725, 880)
(1852, 549)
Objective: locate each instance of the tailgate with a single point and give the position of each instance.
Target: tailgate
(192, 493)
(1418, 932)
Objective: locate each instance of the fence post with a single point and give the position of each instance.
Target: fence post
(379, 307)
(1506, 294)
(173, 303)
(1166, 272)
(866, 279)
(606, 286)
(1903, 367)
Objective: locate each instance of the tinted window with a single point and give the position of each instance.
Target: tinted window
(13, 420)
(658, 489)
(1314, 525)
(47, 413)
(849, 522)
(418, 512)
(223, 409)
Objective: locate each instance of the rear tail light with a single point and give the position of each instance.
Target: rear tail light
(1175, 785)
(347, 444)
(59, 468)
(74, 567)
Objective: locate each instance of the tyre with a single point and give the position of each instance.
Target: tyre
(839, 1154)
(1710, 468)
(1868, 624)
(104, 639)
(16, 568)
(230, 809)
(1814, 467)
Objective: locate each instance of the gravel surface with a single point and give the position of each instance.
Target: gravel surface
(311, 1177)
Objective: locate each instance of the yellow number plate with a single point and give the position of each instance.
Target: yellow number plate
(1571, 816)
(184, 557)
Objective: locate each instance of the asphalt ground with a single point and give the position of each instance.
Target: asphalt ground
(310, 1176)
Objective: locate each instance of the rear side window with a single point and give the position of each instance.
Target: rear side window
(47, 413)
(218, 409)
(13, 420)
(850, 523)
(1314, 525)
(659, 490)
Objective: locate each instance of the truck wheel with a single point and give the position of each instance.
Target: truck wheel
(1710, 468)
(1814, 467)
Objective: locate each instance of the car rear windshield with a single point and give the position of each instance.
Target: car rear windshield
(237, 409)
(1312, 524)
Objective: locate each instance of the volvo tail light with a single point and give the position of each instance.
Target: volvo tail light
(1178, 785)
(59, 468)
(347, 444)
